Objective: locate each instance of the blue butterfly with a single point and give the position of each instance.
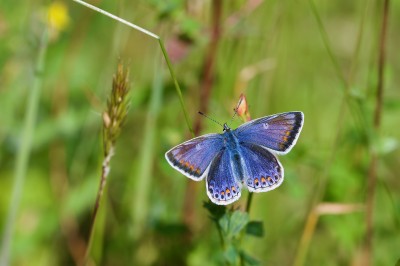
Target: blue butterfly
(241, 156)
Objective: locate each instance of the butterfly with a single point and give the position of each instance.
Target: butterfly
(245, 155)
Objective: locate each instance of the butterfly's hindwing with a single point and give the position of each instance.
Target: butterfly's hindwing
(262, 168)
(222, 187)
(193, 157)
(276, 132)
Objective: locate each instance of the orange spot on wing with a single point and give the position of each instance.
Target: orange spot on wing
(227, 191)
(269, 179)
(198, 171)
(284, 138)
(263, 180)
(287, 133)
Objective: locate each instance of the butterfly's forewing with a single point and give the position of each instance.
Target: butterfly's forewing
(276, 132)
(193, 157)
(263, 172)
(222, 187)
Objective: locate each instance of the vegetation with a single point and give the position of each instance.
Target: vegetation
(334, 60)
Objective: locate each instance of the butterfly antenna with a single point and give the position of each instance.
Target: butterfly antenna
(215, 121)
(235, 109)
(234, 114)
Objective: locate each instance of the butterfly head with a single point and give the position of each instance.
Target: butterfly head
(226, 128)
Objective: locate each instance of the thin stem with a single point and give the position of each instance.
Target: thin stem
(372, 171)
(325, 39)
(177, 87)
(313, 217)
(103, 180)
(221, 238)
(22, 159)
(206, 86)
(209, 63)
(381, 66)
(357, 113)
(249, 200)
(144, 173)
(123, 21)
(134, 26)
(345, 83)
(357, 48)
(113, 120)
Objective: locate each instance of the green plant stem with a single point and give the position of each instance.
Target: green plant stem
(177, 87)
(162, 46)
(248, 203)
(372, 171)
(103, 180)
(325, 39)
(113, 120)
(24, 151)
(206, 85)
(143, 174)
(313, 217)
(354, 105)
(221, 237)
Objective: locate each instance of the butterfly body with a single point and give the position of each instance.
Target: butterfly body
(232, 147)
(241, 156)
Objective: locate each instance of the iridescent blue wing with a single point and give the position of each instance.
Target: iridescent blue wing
(221, 184)
(193, 157)
(263, 171)
(277, 133)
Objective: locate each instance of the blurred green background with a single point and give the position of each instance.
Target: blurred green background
(320, 58)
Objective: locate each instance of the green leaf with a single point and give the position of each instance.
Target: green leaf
(398, 262)
(231, 255)
(232, 223)
(255, 228)
(238, 221)
(249, 260)
(216, 211)
(224, 224)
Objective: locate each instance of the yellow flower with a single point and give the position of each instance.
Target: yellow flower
(58, 16)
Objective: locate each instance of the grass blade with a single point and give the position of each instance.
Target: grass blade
(24, 151)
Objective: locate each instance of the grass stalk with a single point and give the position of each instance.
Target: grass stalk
(354, 105)
(313, 216)
(249, 201)
(327, 45)
(208, 71)
(372, 171)
(24, 151)
(206, 86)
(144, 173)
(113, 120)
(162, 46)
